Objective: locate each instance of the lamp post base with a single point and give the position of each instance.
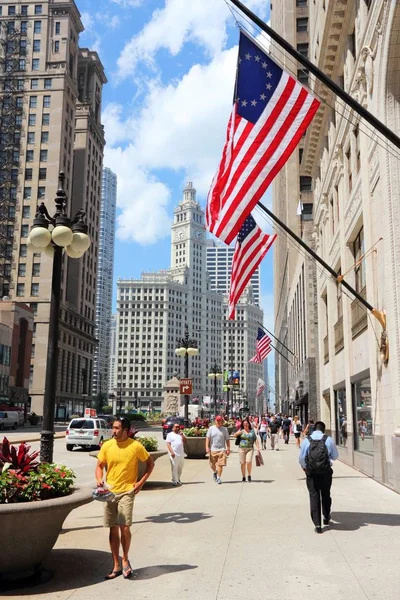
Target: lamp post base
(46, 446)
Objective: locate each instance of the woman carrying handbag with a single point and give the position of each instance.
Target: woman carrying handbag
(248, 438)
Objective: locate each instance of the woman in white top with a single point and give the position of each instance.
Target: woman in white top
(296, 429)
(262, 432)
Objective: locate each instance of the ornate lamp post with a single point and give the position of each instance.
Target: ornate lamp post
(69, 235)
(186, 348)
(215, 373)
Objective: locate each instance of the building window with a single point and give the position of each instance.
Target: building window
(23, 250)
(48, 84)
(35, 289)
(28, 174)
(20, 289)
(29, 155)
(362, 416)
(33, 102)
(36, 45)
(24, 10)
(56, 47)
(38, 9)
(24, 26)
(21, 64)
(349, 173)
(35, 64)
(34, 84)
(21, 272)
(41, 192)
(34, 307)
(26, 212)
(58, 28)
(45, 137)
(302, 24)
(24, 231)
(305, 184)
(31, 137)
(36, 270)
(11, 11)
(32, 120)
(303, 48)
(359, 268)
(301, 3)
(37, 27)
(46, 101)
(302, 76)
(43, 155)
(42, 173)
(46, 119)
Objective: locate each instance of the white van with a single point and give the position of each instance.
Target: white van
(85, 431)
(9, 419)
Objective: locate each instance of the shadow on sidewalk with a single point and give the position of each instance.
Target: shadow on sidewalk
(81, 528)
(176, 517)
(351, 521)
(164, 485)
(251, 482)
(76, 569)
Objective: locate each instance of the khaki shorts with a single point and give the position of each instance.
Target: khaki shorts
(245, 455)
(218, 459)
(119, 512)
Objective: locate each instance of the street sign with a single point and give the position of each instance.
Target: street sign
(186, 386)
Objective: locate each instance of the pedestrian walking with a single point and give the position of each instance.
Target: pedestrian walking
(175, 440)
(120, 456)
(274, 429)
(218, 447)
(310, 427)
(248, 438)
(316, 455)
(262, 432)
(286, 424)
(297, 429)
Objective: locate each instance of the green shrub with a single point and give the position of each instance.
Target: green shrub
(195, 432)
(150, 443)
(136, 417)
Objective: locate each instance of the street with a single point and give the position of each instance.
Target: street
(220, 542)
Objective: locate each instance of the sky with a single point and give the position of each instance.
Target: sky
(170, 66)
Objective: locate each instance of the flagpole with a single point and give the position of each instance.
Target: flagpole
(277, 339)
(283, 356)
(336, 89)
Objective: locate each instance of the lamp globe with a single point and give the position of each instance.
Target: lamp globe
(80, 242)
(40, 237)
(74, 253)
(62, 235)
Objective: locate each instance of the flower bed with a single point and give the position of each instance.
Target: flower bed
(195, 432)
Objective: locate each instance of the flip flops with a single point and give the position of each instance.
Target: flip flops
(127, 571)
(113, 575)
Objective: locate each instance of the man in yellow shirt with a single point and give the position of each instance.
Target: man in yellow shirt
(120, 456)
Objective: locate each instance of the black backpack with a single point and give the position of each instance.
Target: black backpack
(317, 459)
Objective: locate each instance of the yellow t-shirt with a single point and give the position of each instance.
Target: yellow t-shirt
(122, 463)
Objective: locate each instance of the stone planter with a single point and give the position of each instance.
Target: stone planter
(195, 447)
(31, 530)
(142, 465)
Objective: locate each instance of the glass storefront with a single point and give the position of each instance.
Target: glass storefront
(341, 417)
(362, 416)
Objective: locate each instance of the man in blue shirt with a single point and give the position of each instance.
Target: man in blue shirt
(316, 455)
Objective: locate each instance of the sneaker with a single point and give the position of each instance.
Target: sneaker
(219, 480)
(327, 521)
(318, 529)
(243, 479)
(215, 476)
(249, 478)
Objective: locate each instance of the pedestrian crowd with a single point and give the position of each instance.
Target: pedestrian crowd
(119, 458)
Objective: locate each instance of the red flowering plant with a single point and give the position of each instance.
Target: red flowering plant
(24, 479)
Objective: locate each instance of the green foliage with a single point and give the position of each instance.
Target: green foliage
(107, 410)
(20, 460)
(195, 432)
(150, 443)
(46, 481)
(136, 416)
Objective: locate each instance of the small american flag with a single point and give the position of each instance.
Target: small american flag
(260, 386)
(263, 347)
(270, 114)
(252, 245)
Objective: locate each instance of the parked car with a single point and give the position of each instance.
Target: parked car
(9, 419)
(169, 423)
(87, 432)
(109, 419)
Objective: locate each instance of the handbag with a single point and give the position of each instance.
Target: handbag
(237, 441)
(259, 459)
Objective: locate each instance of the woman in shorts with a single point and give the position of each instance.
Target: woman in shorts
(296, 429)
(248, 438)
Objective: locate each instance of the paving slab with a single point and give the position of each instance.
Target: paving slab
(235, 540)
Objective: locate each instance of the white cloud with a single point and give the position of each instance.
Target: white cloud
(204, 22)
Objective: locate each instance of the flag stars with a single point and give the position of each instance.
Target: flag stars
(269, 74)
(248, 56)
(263, 97)
(264, 65)
(257, 58)
(254, 102)
(244, 102)
(268, 86)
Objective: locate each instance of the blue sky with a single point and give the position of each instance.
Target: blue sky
(170, 66)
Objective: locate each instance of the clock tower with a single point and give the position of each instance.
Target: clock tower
(188, 240)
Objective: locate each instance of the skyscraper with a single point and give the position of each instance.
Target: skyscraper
(105, 273)
(50, 92)
(219, 268)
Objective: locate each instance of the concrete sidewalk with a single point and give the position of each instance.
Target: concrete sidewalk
(205, 541)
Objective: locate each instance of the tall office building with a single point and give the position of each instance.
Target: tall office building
(219, 268)
(53, 90)
(113, 353)
(105, 274)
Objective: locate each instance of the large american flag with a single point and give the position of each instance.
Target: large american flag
(252, 245)
(263, 347)
(270, 114)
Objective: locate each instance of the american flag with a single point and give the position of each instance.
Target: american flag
(252, 245)
(270, 114)
(260, 386)
(263, 347)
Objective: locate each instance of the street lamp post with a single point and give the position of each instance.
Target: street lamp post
(186, 348)
(71, 235)
(215, 373)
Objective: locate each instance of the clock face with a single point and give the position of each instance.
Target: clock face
(180, 234)
(198, 234)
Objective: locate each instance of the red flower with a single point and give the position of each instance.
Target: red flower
(46, 486)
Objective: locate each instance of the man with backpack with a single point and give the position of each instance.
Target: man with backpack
(316, 453)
